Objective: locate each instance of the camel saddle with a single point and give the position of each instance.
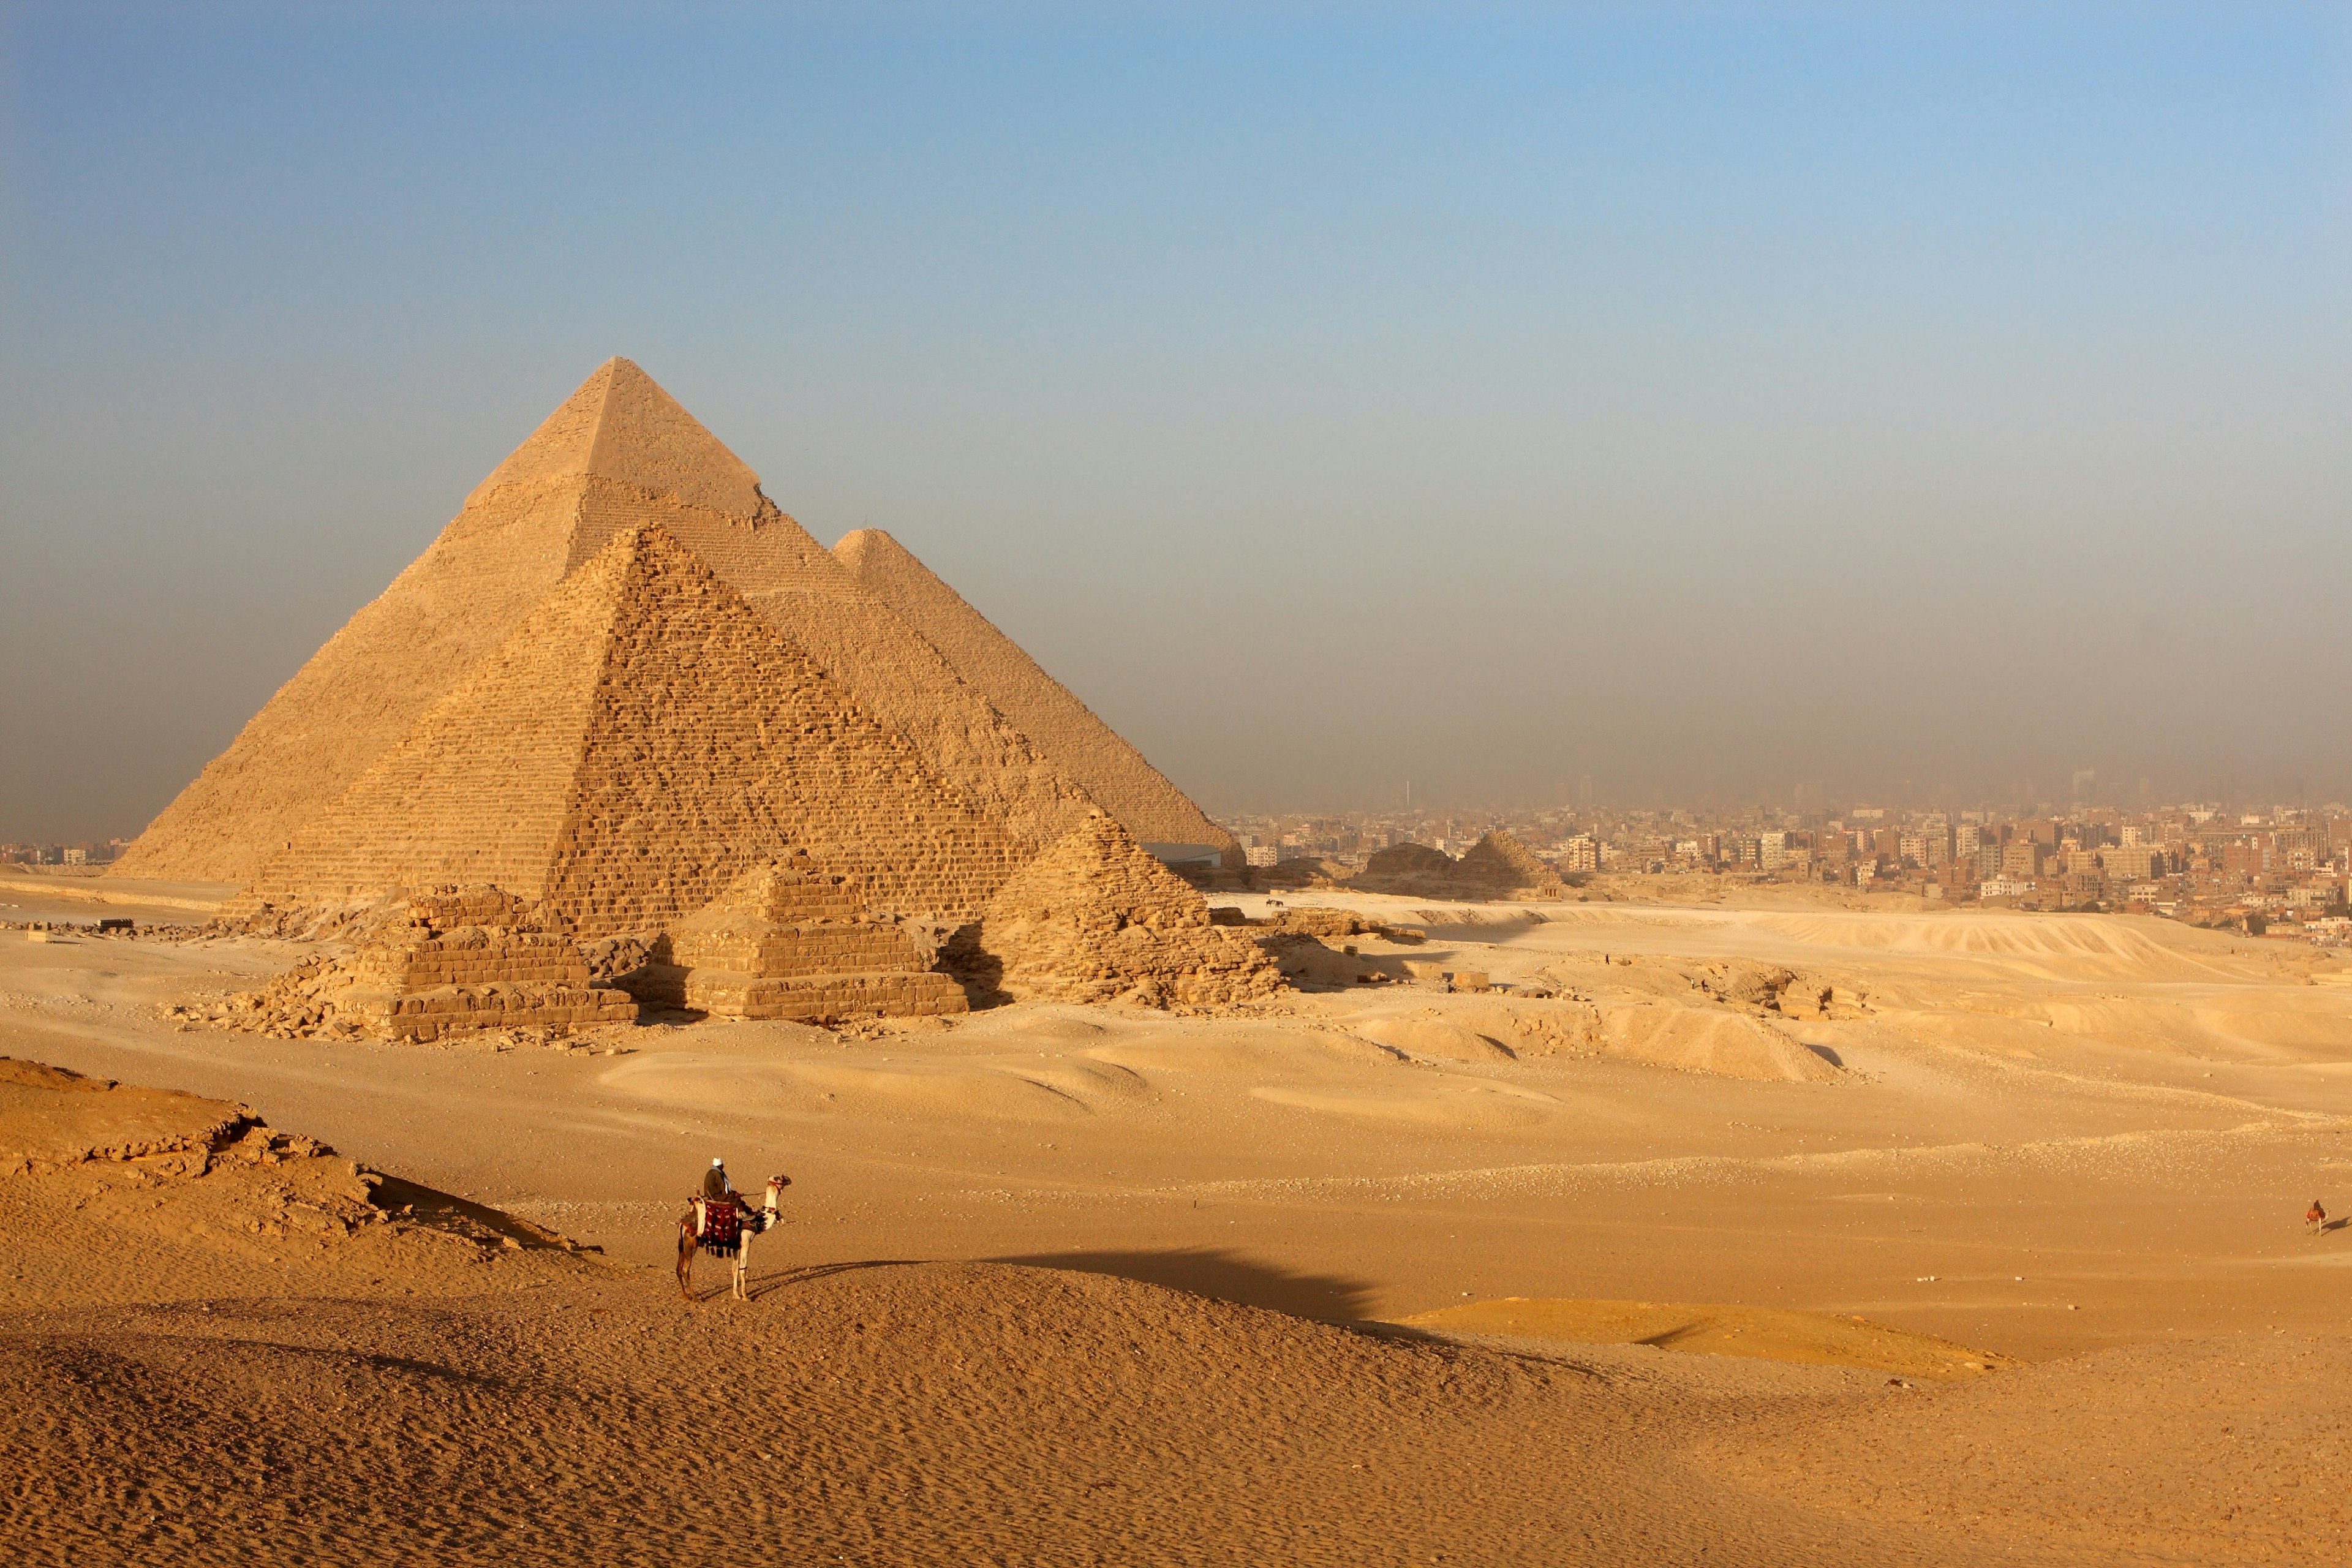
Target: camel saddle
(717, 1225)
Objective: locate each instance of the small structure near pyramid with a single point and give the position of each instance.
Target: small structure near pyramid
(640, 743)
(447, 961)
(1409, 860)
(1095, 919)
(1500, 860)
(793, 940)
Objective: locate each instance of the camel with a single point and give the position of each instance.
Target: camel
(725, 1230)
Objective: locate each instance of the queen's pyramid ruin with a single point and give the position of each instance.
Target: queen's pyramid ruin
(1095, 918)
(1114, 773)
(618, 454)
(642, 740)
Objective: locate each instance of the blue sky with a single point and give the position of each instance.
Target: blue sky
(1708, 399)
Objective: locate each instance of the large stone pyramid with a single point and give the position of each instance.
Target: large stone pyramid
(618, 454)
(1154, 810)
(641, 740)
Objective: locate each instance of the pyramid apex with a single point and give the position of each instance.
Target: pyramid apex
(859, 543)
(620, 424)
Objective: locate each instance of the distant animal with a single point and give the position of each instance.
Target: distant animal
(724, 1226)
(2314, 1217)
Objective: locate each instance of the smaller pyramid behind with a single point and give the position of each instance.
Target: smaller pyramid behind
(642, 740)
(1409, 859)
(1063, 728)
(1500, 860)
(1095, 919)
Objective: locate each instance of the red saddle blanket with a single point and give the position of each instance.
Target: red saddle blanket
(717, 1225)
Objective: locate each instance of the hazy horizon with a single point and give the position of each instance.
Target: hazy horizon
(1894, 403)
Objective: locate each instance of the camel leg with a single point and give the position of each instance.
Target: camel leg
(685, 1263)
(742, 1262)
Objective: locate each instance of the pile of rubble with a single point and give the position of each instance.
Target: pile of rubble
(453, 961)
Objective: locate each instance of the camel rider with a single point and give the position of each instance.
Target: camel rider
(716, 1187)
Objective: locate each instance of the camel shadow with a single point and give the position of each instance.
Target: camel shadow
(760, 1286)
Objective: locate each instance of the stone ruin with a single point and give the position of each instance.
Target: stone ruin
(1095, 919)
(448, 962)
(793, 940)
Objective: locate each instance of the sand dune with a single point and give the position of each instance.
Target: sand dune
(1439, 1103)
(1422, 1037)
(1816, 1339)
(2051, 945)
(404, 1377)
(2248, 1435)
(1715, 1040)
(2036, 1159)
(961, 1087)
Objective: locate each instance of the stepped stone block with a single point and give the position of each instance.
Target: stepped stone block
(441, 962)
(794, 940)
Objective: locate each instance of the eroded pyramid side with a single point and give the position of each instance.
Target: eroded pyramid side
(354, 698)
(1500, 860)
(1064, 730)
(699, 744)
(717, 739)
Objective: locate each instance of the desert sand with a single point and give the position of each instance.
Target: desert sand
(1665, 1222)
(1780, 1231)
